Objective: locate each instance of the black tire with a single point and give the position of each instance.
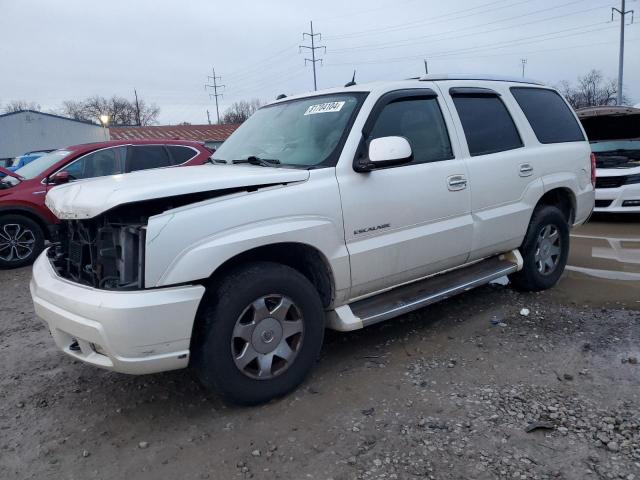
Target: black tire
(21, 241)
(532, 278)
(225, 303)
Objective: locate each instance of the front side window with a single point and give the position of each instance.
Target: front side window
(487, 124)
(144, 157)
(420, 121)
(302, 133)
(96, 164)
(549, 116)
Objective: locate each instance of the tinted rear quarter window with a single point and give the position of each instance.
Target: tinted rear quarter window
(551, 119)
(181, 154)
(143, 157)
(487, 124)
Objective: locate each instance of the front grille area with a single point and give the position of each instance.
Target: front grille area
(610, 182)
(603, 203)
(100, 253)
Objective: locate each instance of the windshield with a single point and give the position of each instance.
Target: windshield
(614, 145)
(41, 164)
(303, 132)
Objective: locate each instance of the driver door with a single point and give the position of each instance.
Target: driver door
(411, 220)
(107, 161)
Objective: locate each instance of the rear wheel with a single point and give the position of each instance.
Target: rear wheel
(21, 241)
(262, 329)
(544, 251)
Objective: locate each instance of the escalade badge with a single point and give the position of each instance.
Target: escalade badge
(371, 229)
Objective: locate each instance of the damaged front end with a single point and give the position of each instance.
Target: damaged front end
(106, 252)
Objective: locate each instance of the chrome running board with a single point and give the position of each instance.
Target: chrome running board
(413, 296)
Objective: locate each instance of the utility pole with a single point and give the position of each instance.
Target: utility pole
(137, 109)
(426, 67)
(313, 49)
(524, 62)
(208, 117)
(622, 13)
(214, 78)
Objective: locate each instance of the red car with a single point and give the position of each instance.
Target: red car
(24, 218)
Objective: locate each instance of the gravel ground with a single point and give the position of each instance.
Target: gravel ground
(468, 389)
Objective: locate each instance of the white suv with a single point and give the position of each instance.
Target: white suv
(614, 133)
(338, 209)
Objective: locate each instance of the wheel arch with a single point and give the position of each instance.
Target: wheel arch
(30, 214)
(563, 198)
(302, 257)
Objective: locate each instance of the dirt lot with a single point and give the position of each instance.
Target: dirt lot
(448, 392)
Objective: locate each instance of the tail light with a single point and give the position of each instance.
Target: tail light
(593, 169)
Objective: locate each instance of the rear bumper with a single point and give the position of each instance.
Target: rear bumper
(130, 332)
(584, 206)
(612, 200)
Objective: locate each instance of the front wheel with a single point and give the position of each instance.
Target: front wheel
(21, 241)
(261, 329)
(544, 251)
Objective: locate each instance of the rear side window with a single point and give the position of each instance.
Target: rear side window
(420, 121)
(181, 154)
(143, 157)
(549, 116)
(487, 124)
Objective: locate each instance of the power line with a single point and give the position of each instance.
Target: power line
(258, 65)
(427, 21)
(456, 32)
(312, 36)
(395, 5)
(214, 78)
(622, 13)
(502, 44)
(275, 78)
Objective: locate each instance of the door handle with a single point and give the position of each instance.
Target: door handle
(526, 169)
(456, 182)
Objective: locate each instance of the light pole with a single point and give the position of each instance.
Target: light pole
(104, 120)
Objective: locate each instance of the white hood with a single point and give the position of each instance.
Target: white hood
(89, 198)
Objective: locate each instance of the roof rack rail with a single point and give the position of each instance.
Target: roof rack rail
(476, 76)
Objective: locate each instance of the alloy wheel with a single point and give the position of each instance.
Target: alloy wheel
(548, 250)
(267, 337)
(16, 242)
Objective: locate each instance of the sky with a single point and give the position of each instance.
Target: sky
(52, 51)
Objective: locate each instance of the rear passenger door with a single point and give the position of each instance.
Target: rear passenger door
(502, 173)
(144, 157)
(181, 154)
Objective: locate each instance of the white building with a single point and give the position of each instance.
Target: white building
(28, 130)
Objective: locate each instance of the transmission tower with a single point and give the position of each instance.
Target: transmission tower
(312, 36)
(215, 86)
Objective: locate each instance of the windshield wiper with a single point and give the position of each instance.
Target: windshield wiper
(263, 162)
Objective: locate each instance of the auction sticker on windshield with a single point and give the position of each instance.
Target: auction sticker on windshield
(324, 108)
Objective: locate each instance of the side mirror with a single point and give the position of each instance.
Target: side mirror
(59, 178)
(386, 152)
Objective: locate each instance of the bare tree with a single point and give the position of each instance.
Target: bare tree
(591, 90)
(238, 112)
(120, 110)
(18, 105)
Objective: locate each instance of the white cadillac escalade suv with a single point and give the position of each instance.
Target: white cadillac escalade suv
(337, 209)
